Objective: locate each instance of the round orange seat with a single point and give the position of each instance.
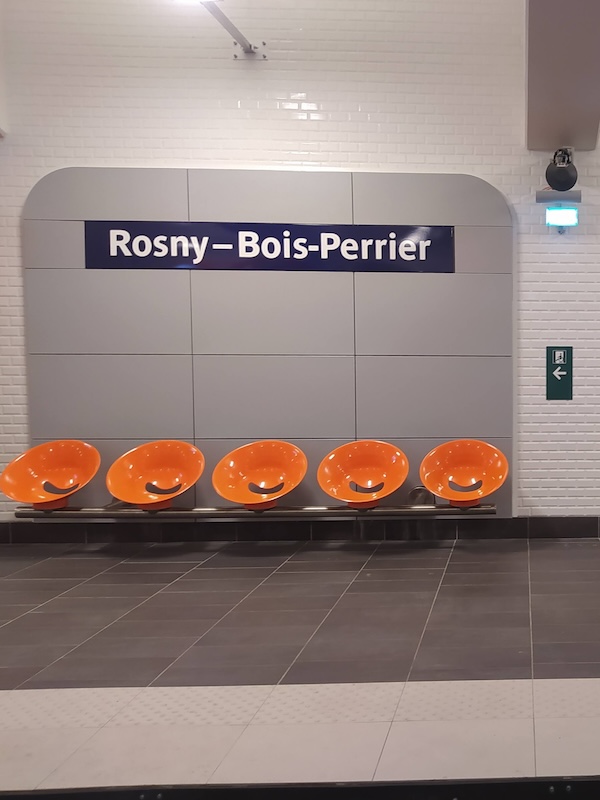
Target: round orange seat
(362, 473)
(46, 475)
(464, 471)
(258, 474)
(151, 475)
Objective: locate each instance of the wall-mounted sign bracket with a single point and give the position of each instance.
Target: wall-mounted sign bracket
(246, 47)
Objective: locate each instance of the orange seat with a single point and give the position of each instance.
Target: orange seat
(152, 474)
(362, 473)
(46, 475)
(464, 471)
(258, 474)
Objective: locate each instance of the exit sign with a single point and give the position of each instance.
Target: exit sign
(559, 373)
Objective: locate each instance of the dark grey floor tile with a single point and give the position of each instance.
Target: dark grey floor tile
(89, 605)
(468, 602)
(406, 548)
(131, 578)
(205, 599)
(369, 671)
(239, 655)
(471, 673)
(72, 673)
(158, 647)
(566, 633)
(566, 588)
(300, 590)
(390, 618)
(181, 612)
(33, 655)
(401, 568)
(496, 658)
(330, 647)
(8, 613)
(500, 528)
(274, 618)
(563, 602)
(166, 628)
(575, 527)
(207, 572)
(560, 578)
(566, 616)
(243, 636)
(391, 587)
(417, 600)
(14, 633)
(321, 566)
(92, 619)
(67, 568)
(26, 597)
(495, 567)
(52, 586)
(556, 670)
(482, 591)
(307, 578)
(112, 550)
(223, 675)
(401, 573)
(566, 652)
(11, 567)
(500, 579)
(475, 619)
(489, 636)
(489, 547)
(13, 677)
(140, 590)
(176, 552)
(202, 586)
(254, 603)
(174, 568)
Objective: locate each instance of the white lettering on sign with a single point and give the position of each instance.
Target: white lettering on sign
(121, 243)
(250, 245)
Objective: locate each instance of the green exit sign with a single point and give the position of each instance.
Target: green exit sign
(559, 373)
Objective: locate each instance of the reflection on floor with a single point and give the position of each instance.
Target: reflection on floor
(297, 613)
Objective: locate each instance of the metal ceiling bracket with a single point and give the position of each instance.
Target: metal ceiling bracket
(246, 48)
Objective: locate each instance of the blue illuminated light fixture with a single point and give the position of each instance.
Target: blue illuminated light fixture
(562, 216)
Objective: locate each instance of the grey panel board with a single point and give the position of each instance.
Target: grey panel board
(222, 195)
(427, 199)
(419, 314)
(483, 249)
(53, 244)
(110, 397)
(434, 396)
(96, 494)
(307, 493)
(300, 313)
(127, 194)
(281, 397)
(416, 450)
(108, 311)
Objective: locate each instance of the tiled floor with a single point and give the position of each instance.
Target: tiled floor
(269, 613)
(76, 738)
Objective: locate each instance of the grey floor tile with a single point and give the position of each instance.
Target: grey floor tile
(8, 613)
(239, 655)
(563, 587)
(18, 635)
(400, 587)
(566, 616)
(329, 647)
(67, 568)
(566, 652)
(566, 633)
(483, 658)
(369, 671)
(208, 572)
(108, 649)
(402, 574)
(13, 677)
(51, 585)
(406, 600)
(223, 675)
(72, 672)
(129, 579)
(470, 673)
(500, 579)
(166, 628)
(323, 589)
(484, 605)
(114, 590)
(187, 611)
(489, 636)
(214, 585)
(263, 619)
(441, 619)
(328, 565)
(266, 635)
(84, 606)
(308, 578)
(566, 671)
(189, 597)
(318, 602)
(31, 655)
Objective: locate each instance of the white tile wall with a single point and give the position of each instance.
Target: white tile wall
(390, 85)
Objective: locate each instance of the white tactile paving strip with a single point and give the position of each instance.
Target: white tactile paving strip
(75, 738)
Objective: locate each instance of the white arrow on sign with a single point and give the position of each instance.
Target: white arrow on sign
(559, 373)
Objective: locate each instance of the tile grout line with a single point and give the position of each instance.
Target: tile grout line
(297, 550)
(299, 653)
(74, 648)
(532, 663)
(411, 666)
(433, 602)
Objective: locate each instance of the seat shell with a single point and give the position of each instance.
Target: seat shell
(270, 464)
(464, 471)
(362, 473)
(46, 475)
(151, 475)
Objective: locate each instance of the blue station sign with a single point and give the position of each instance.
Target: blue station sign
(262, 246)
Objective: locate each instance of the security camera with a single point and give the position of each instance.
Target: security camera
(561, 173)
